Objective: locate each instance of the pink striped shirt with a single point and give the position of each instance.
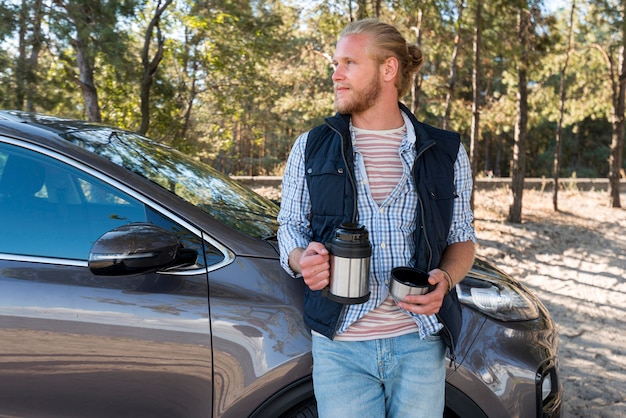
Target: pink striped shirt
(382, 159)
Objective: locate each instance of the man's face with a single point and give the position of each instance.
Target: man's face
(357, 80)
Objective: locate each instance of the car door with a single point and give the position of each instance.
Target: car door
(75, 344)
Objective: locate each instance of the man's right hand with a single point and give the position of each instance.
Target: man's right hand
(313, 263)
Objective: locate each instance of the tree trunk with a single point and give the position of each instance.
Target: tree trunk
(361, 10)
(497, 169)
(87, 84)
(150, 66)
(20, 64)
(559, 127)
(486, 151)
(33, 61)
(30, 15)
(453, 68)
(80, 16)
(417, 80)
(518, 164)
(189, 105)
(617, 136)
(476, 88)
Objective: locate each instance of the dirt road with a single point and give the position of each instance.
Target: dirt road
(575, 260)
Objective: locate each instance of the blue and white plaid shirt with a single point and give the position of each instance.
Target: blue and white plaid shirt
(390, 225)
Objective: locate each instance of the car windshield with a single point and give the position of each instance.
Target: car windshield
(191, 180)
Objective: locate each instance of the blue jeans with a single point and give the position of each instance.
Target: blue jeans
(392, 377)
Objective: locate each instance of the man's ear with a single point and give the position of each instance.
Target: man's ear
(390, 68)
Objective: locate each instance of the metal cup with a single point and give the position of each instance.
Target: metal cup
(408, 281)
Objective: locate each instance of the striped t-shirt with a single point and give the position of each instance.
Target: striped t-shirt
(380, 152)
(382, 159)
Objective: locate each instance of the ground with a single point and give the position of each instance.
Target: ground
(575, 261)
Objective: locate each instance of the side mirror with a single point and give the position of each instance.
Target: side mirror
(136, 248)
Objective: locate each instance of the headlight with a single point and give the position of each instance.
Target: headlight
(546, 387)
(499, 300)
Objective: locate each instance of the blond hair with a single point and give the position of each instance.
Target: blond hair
(388, 42)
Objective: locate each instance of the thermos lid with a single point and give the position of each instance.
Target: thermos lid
(351, 241)
(352, 232)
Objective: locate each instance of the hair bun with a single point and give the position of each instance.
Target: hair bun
(416, 58)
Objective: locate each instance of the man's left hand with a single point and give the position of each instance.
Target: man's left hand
(430, 303)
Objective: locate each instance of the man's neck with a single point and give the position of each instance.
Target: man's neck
(379, 118)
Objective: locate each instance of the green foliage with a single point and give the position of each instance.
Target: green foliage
(240, 80)
(8, 11)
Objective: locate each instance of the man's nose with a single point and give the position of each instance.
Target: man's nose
(337, 74)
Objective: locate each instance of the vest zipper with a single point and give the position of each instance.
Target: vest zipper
(445, 328)
(421, 205)
(355, 209)
(451, 347)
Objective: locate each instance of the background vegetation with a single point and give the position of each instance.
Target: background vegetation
(534, 91)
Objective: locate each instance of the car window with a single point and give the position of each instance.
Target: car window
(195, 182)
(51, 209)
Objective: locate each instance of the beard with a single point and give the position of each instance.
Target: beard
(360, 99)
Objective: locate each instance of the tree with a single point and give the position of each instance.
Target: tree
(82, 16)
(617, 118)
(476, 92)
(606, 17)
(518, 164)
(8, 11)
(91, 26)
(416, 86)
(234, 81)
(532, 41)
(453, 66)
(30, 41)
(151, 65)
(438, 29)
(562, 98)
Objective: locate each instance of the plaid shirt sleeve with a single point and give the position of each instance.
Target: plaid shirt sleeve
(462, 228)
(294, 227)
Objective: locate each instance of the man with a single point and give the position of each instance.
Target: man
(409, 184)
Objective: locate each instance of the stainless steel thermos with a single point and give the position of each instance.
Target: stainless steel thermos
(350, 252)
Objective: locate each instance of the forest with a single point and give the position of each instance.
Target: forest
(536, 88)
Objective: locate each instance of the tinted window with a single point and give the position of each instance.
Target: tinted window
(50, 209)
(191, 180)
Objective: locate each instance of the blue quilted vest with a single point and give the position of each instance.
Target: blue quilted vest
(329, 167)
